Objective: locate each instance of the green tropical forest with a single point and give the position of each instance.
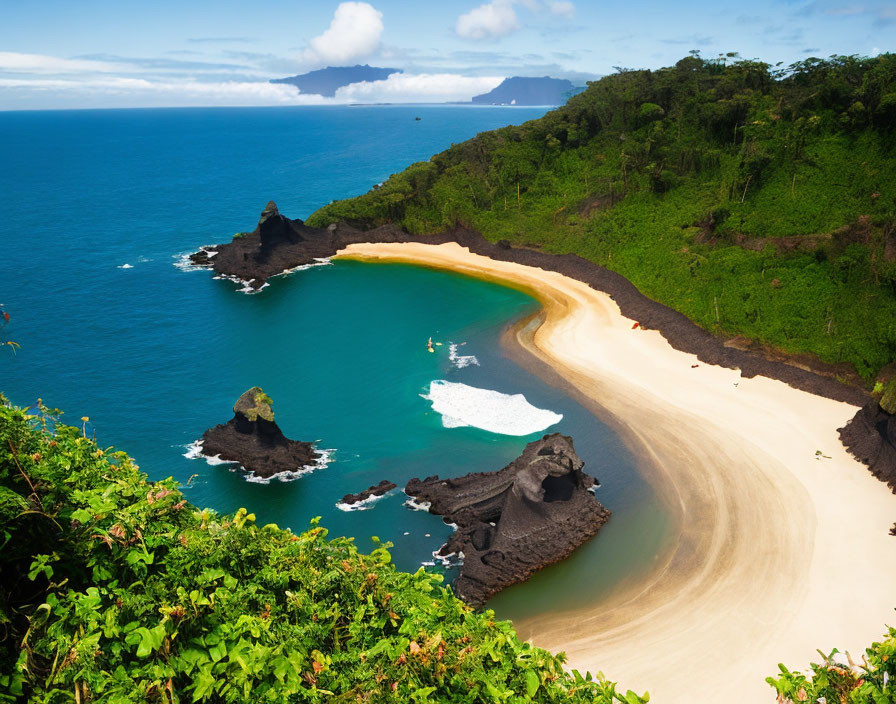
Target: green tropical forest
(758, 200)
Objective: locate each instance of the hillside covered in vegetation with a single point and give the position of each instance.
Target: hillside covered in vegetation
(758, 200)
(116, 589)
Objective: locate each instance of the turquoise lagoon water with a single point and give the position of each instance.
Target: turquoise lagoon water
(155, 355)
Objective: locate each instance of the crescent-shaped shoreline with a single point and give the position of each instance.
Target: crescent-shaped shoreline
(782, 542)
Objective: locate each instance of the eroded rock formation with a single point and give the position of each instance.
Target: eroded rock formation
(512, 522)
(254, 440)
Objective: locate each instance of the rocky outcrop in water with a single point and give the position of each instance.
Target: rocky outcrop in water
(513, 522)
(381, 489)
(870, 436)
(254, 440)
(278, 245)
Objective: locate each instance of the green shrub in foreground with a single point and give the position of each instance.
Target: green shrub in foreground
(115, 589)
(872, 682)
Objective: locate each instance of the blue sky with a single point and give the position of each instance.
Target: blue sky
(110, 53)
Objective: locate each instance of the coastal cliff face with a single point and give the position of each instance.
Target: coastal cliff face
(254, 440)
(871, 435)
(513, 522)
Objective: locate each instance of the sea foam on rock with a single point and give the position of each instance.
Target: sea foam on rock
(461, 405)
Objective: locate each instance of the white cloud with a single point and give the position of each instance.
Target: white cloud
(418, 88)
(494, 19)
(563, 8)
(354, 33)
(11, 62)
(119, 91)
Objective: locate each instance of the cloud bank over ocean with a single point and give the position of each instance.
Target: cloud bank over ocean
(93, 54)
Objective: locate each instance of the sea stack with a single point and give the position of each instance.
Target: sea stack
(254, 440)
(512, 522)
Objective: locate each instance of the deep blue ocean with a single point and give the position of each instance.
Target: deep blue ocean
(97, 207)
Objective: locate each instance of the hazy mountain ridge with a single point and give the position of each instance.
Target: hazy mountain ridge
(326, 81)
(524, 90)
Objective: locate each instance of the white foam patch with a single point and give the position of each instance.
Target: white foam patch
(417, 505)
(324, 457)
(194, 452)
(125, 266)
(460, 360)
(506, 414)
(364, 504)
(450, 560)
(318, 261)
(245, 286)
(183, 262)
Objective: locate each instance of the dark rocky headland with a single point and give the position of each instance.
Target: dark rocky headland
(515, 521)
(381, 489)
(254, 440)
(871, 435)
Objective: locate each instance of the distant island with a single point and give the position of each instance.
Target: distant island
(521, 90)
(326, 81)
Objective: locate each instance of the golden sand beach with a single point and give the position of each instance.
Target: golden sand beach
(779, 550)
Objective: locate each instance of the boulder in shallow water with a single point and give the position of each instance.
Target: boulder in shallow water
(381, 489)
(513, 522)
(254, 440)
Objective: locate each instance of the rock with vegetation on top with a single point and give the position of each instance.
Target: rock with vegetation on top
(513, 522)
(254, 440)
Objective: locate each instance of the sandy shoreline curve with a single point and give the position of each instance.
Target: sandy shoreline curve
(781, 551)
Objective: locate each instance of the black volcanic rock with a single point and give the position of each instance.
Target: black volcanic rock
(380, 489)
(253, 439)
(870, 436)
(513, 522)
(521, 90)
(326, 81)
(278, 244)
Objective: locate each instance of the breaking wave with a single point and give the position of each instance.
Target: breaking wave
(363, 504)
(506, 414)
(460, 360)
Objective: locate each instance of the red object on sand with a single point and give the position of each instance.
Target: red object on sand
(636, 325)
(694, 366)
